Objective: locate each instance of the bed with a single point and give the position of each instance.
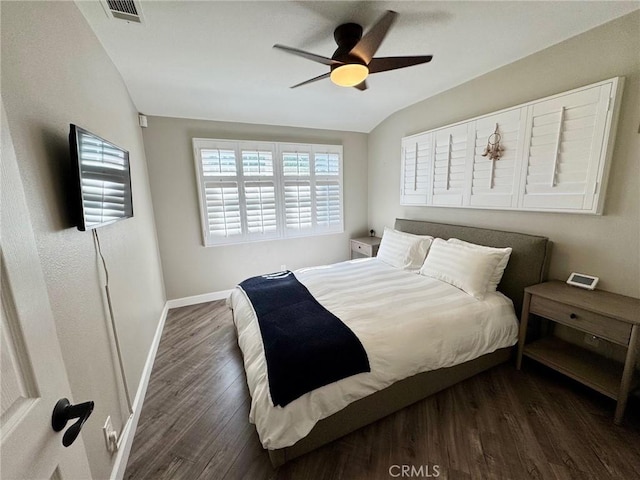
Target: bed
(483, 337)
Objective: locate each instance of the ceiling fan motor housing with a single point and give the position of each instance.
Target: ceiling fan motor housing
(355, 59)
(347, 36)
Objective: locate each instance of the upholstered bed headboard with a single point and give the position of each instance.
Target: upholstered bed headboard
(528, 262)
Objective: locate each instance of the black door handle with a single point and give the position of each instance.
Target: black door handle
(63, 412)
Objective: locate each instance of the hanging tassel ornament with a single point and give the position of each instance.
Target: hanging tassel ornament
(493, 149)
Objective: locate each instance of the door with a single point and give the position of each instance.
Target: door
(33, 373)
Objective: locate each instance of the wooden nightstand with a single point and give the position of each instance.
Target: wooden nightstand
(613, 317)
(364, 247)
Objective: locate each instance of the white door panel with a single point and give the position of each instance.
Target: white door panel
(33, 371)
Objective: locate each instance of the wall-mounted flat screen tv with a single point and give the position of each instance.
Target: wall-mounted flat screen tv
(102, 178)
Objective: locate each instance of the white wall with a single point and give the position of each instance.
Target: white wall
(607, 246)
(191, 269)
(55, 72)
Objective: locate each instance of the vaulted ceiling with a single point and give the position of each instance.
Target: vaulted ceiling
(214, 60)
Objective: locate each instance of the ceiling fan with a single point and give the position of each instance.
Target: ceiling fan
(353, 61)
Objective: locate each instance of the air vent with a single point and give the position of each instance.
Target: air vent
(128, 10)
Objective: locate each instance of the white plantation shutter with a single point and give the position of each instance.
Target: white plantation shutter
(327, 163)
(219, 189)
(328, 205)
(258, 198)
(297, 206)
(254, 191)
(257, 163)
(218, 162)
(561, 159)
(222, 212)
(297, 182)
(105, 185)
(417, 164)
(296, 164)
(312, 183)
(450, 165)
(494, 182)
(557, 155)
(328, 189)
(260, 207)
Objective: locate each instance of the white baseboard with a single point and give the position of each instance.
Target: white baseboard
(194, 300)
(128, 432)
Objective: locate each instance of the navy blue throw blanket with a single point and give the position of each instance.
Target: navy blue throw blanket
(305, 345)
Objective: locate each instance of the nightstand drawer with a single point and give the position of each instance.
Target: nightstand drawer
(363, 248)
(590, 322)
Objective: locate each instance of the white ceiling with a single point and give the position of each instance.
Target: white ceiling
(214, 60)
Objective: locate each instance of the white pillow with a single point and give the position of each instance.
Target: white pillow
(467, 268)
(403, 250)
(502, 264)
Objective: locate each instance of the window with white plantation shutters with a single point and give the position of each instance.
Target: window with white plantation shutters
(417, 164)
(253, 191)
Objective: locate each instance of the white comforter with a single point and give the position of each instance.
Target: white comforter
(407, 323)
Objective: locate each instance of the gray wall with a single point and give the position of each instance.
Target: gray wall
(192, 269)
(55, 72)
(607, 246)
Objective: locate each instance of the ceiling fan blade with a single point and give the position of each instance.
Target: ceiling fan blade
(368, 45)
(315, 79)
(308, 55)
(362, 86)
(384, 64)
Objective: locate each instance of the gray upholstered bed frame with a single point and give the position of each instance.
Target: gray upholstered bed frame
(527, 266)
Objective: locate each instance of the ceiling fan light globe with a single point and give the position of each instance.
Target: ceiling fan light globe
(349, 75)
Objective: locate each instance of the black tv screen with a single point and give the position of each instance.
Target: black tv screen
(103, 181)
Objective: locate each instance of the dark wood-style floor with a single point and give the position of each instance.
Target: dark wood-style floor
(501, 424)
